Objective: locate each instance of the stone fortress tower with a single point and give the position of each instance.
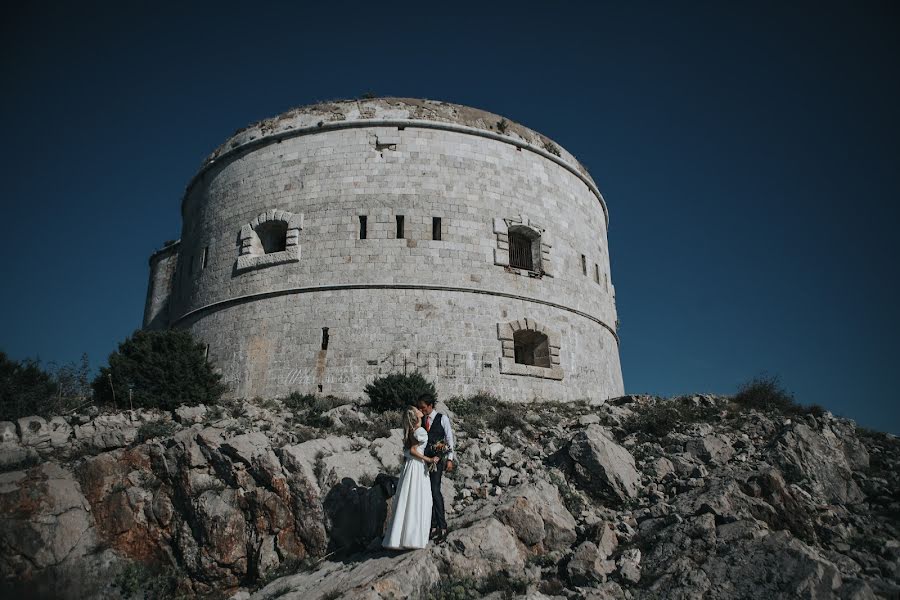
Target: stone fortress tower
(347, 240)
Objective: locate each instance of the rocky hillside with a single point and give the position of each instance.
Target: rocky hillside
(640, 497)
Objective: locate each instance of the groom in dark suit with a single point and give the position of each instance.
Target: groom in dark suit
(438, 428)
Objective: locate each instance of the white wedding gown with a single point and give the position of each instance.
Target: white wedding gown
(411, 520)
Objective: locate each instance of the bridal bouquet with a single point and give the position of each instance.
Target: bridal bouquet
(441, 450)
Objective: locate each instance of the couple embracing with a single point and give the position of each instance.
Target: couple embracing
(418, 510)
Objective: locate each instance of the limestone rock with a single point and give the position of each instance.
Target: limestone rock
(47, 520)
(483, 548)
(8, 433)
(714, 449)
(358, 465)
(589, 565)
(190, 414)
(537, 515)
(602, 466)
(389, 450)
(629, 565)
(817, 460)
(34, 432)
(385, 575)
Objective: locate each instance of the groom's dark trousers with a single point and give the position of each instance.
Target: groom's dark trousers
(436, 433)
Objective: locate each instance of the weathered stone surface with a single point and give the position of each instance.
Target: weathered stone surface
(453, 338)
(481, 549)
(662, 466)
(537, 515)
(381, 576)
(359, 465)
(34, 432)
(190, 414)
(45, 520)
(817, 460)
(589, 565)
(106, 432)
(710, 449)
(302, 458)
(8, 433)
(60, 432)
(228, 507)
(389, 450)
(604, 467)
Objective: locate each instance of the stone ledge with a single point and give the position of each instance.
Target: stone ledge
(509, 366)
(250, 261)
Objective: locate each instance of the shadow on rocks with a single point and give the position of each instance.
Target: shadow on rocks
(355, 514)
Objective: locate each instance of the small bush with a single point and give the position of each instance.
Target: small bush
(155, 429)
(137, 580)
(551, 148)
(164, 368)
(662, 418)
(467, 588)
(397, 391)
(309, 409)
(474, 412)
(765, 394)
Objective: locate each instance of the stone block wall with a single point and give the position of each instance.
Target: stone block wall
(395, 304)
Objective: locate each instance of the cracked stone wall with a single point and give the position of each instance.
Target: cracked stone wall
(394, 304)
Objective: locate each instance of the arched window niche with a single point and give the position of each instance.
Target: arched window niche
(523, 246)
(529, 349)
(272, 238)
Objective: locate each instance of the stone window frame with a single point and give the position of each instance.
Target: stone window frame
(541, 261)
(291, 253)
(508, 364)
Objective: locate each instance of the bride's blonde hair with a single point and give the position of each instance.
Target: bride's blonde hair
(410, 424)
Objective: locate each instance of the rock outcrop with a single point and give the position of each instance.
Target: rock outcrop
(566, 501)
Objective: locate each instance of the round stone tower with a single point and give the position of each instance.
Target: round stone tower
(344, 241)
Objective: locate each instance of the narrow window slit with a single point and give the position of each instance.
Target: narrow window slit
(400, 227)
(363, 222)
(436, 228)
(324, 338)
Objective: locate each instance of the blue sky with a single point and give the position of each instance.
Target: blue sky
(749, 154)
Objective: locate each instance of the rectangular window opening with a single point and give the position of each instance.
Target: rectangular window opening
(363, 222)
(597, 273)
(203, 258)
(206, 354)
(583, 264)
(400, 227)
(324, 338)
(436, 228)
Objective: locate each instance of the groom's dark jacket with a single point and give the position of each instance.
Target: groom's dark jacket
(436, 433)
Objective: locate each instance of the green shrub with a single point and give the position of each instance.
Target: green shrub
(765, 394)
(474, 412)
(166, 369)
(467, 588)
(137, 580)
(155, 429)
(25, 389)
(665, 416)
(397, 391)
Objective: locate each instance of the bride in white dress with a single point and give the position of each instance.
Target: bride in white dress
(411, 519)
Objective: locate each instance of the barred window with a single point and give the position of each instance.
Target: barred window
(520, 255)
